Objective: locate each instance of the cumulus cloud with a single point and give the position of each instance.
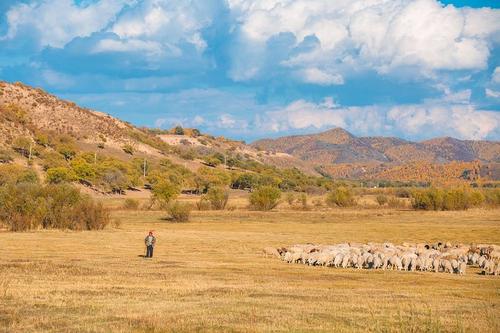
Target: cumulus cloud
(55, 23)
(377, 34)
(433, 118)
(496, 75)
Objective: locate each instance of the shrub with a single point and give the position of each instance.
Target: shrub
(340, 197)
(265, 198)
(128, 149)
(163, 192)
(303, 200)
(402, 193)
(60, 175)
(396, 203)
(83, 169)
(90, 215)
(30, 206)
(5, 156)
(203, 204)
(449, 199)
(179, 212)
(492, 197)
(218, 197)
(67, 151)
(131, 204)
(178, 130)
(212, 161)
(381, 199)
(23, 145)
(290, 198)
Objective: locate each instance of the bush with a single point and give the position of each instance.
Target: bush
(340, 197)
(402, 193)
(381, 199)
(30, 206)
(203, 204)
(178, 130)
(67, 151)
(492, 197)
(179, 212)
(131, 204)
(446, 199)
(128, 149)
(396, 203)
(218, 197)
(60, 175)
(290, 198)
(163, 192)
(303, 201)
(265, 198)
(5, 156)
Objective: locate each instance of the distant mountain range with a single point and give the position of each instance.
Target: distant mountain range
(339, 153)
(24, 111)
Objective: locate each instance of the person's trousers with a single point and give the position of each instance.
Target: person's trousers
(149, 252)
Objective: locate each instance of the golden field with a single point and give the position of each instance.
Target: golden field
(209, 275)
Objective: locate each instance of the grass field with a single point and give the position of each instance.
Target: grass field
(209, 275)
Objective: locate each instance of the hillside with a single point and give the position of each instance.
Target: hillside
(340, 154)
(56, 141)
(29, 112)
(32, 119)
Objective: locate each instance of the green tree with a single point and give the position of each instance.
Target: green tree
(163, 192)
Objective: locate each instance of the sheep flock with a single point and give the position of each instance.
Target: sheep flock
(436, 257)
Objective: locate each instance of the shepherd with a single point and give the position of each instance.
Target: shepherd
(150, 242)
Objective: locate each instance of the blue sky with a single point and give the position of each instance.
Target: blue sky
(249, 69)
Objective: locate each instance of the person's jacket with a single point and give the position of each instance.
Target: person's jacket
(150, 240)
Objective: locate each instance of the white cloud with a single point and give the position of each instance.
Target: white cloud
(372, 34)
(432, 118)
(112, 45)
(56, 23)
(496, 75)
(166, 22)
(315, 75)
(492, 93)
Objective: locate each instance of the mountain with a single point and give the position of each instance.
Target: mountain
(339, 153)
(31, 112)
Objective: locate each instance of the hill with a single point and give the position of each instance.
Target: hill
(65, 142)
(340, 154)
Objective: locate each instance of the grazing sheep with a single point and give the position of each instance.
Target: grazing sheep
(447, 268)
(462, 266)
(345, 261)
(338, 260)
(438, 257)
(270, 251)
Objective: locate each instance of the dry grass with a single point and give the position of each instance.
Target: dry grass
(209, 275)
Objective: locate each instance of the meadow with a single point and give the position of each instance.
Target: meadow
(209, 275)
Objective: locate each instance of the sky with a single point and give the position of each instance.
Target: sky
(249, 69)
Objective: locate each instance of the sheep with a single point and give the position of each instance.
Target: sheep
(395, 263)
(270, 251)
(462, 266)
(447, 268)
(345, 261)
(338, 260)
(438, 257)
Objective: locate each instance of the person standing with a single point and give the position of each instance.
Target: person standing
(150, 242)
